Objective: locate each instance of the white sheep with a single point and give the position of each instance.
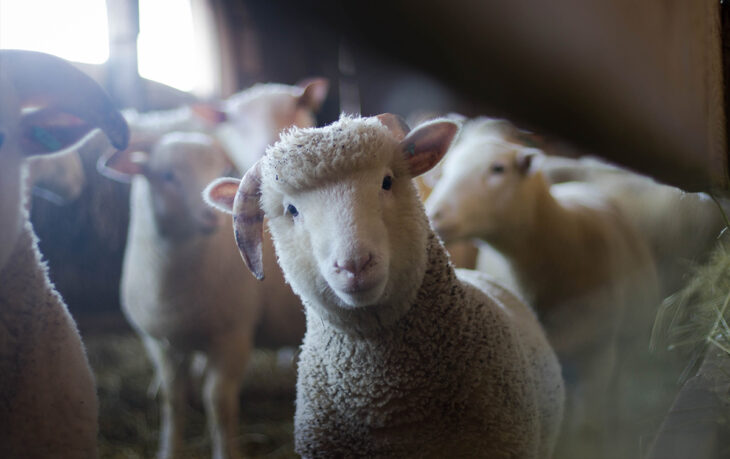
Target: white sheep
(576, 258)
(681, 228)
(48, 405)
(403, 356)
(184, 289)
(244, 124)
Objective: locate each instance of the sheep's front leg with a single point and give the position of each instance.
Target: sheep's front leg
(172, 370)
(226, 369)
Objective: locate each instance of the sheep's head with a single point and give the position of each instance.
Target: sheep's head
(345, 218)
(251, 120)
(177, 170)
(483, 189)
(46, 106)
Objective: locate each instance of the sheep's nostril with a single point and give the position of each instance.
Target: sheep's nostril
(355, 266)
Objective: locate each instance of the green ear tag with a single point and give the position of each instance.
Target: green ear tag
(46, 139)
(411, 149)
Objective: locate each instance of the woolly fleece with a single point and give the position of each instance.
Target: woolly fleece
(465, 369)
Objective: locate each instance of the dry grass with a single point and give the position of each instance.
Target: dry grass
(129, 418)
(697, 316)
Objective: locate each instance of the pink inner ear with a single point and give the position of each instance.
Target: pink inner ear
(122, 165)
(424, 147)
(209, 113)
(224, 193)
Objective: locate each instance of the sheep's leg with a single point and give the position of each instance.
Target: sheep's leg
(172, 370)
(226, 368)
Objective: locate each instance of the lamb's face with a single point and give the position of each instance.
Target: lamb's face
(359, 237)
(480, 190)
(180, 167)
(345, 218)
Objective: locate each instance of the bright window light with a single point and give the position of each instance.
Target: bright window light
(72, 29)
(166, 46)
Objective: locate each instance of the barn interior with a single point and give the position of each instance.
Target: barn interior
(638, 85)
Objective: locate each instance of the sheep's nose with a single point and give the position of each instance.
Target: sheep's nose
(355, 265)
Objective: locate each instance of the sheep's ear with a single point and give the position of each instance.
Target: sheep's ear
(221, 193)
(315, 92)
(395, 124)
(122, 165)
(424, 147)
(524, 159)
(211, 113)
(62, 104)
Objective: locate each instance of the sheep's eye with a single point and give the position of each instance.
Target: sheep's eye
(387, 182)
(292, 210)
(497, 168)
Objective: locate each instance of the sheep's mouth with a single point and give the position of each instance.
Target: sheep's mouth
(361, 290)
(359, 284)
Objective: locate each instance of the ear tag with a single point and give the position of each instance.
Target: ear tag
(411, 149)
(46, 139)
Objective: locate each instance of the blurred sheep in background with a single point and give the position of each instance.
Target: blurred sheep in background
(589, 275)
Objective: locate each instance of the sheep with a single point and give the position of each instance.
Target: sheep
(403, 356)
(48, 405)
(681, 228)
(59, 178)
(245, 123)
(576, 258)
(183, 288)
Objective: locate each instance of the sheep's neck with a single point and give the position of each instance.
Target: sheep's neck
(549, 248)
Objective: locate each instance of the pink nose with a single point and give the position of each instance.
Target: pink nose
(354, 266)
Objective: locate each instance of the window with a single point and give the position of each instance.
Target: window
(72, 29)
(175, 44)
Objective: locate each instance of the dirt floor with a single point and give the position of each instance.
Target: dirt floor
(129, 417)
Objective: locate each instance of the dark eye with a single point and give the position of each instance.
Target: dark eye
(292, 210)
(497, 168)
(387, 182)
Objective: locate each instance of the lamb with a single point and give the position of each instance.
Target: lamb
(244, 124)
(183, 287)
(48, 405)
(403, 356)
(576, 258)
